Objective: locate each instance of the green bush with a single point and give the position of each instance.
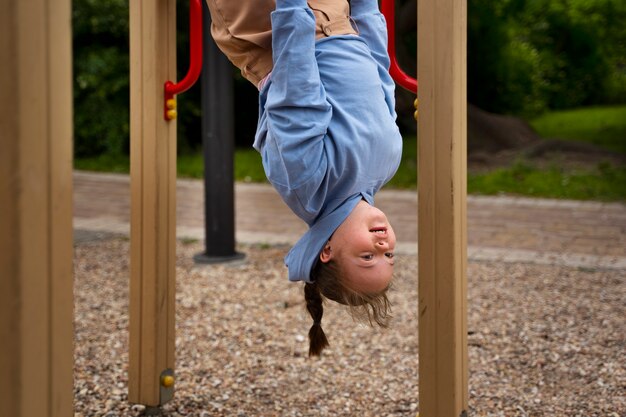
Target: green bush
(569, 36)
(528, 56)
(524, 57)
(101, 85)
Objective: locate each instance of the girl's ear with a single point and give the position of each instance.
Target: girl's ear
(326, 254)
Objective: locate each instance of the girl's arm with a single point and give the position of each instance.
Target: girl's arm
(297, 111)
(373, 30)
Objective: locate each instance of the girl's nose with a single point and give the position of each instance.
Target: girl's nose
(383, 244)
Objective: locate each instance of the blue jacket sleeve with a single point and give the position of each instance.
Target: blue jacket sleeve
(373, 30)
(298, 113)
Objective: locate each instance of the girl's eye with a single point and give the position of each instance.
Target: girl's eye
(389, 255)
(367, 257)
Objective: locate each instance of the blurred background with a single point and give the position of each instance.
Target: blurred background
(546, 97)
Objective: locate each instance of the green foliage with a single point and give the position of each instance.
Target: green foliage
(601, 126)
(501, 70)
(101, 83)
(571, 38)
(101, 86)
(525, 56)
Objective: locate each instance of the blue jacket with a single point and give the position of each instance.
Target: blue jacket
(327, 133)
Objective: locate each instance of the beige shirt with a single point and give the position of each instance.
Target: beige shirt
(243, 31)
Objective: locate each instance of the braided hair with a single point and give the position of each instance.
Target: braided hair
(314, 304)
(327, 283)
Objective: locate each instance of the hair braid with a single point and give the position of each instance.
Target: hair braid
(317, 338)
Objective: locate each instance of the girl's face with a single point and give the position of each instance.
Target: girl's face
(363, 245)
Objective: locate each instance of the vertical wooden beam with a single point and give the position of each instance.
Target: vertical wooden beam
(153, 200)
(442, 190)
(36, 253)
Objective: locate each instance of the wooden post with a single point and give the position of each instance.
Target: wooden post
(36, 253)
(442, 240)
(153, 203)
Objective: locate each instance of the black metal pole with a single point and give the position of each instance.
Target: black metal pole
(218, 142)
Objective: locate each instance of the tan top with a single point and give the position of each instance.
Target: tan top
(243, 31)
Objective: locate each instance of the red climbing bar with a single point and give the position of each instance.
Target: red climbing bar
(387, 8)
(195, 60)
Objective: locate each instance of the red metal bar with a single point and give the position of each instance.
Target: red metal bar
(195, 60)
(387, 8)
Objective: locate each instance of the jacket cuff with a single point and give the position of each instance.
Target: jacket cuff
(361, 7)
(290, 4)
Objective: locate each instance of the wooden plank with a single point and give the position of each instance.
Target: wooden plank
(153, 203)
(60, 115)
(34, 208)
(442, 208)
(171, 143)
(10, 355)
(136, 133)
(36, 194)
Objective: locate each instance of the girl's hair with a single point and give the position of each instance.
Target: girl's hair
(327, 281)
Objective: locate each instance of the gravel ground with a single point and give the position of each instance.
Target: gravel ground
(544, 341)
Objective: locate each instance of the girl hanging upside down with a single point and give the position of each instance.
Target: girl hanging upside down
(327, 136)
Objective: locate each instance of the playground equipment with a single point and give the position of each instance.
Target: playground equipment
(36, 225)
(442, 191)
(387, 8)
(218, 147)
(36, 262)
(195, 61)
(153, 193)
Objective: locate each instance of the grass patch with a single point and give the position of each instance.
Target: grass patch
(606, 183)
(601, 126)
(248, 166)
(406, 176)
(186, 241)
(190, 166)
(104, 163)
